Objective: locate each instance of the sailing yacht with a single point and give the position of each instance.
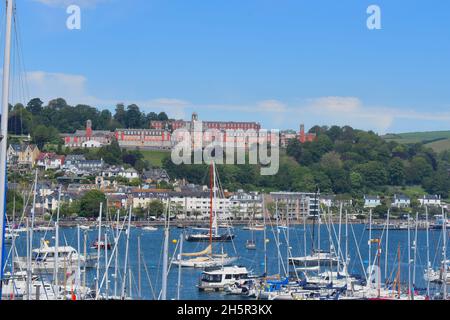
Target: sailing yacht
(206, 258)
(212, 234)
(317, 258)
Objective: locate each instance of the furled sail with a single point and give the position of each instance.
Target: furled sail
(201, 253)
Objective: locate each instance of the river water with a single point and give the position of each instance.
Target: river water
(152, 248)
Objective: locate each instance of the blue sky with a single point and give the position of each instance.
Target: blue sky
(279, 62)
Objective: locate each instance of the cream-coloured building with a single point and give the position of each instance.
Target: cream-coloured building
(23, 154)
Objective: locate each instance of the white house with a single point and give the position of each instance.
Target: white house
(129, 174)
(401, 201)
(430, 200)
(50, 160)
(371, 201)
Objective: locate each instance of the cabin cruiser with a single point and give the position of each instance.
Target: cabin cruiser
(15, 287)
(216, 279)
(439, 222)
(43, 259)
(248, 288)
(437, 276)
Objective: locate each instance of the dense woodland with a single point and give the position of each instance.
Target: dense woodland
(44, 123)
(342, 160)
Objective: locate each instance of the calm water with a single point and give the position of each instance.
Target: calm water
(152, 244)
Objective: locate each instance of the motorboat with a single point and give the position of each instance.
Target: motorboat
(43, 259)
(15, 287)
(149, 228)
(217, 279)
(250, 245)
(101, 244)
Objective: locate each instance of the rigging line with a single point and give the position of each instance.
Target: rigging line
(148, 277)
(359, 253)
(18, 33)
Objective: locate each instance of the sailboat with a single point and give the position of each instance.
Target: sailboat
(211, 234)
(206, 258)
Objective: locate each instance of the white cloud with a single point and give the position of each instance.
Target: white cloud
(74, 89)
(350, 111)
(332, 110)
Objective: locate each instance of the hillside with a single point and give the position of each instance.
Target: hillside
(437, 140)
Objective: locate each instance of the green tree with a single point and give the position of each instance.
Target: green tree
(35, 106)
(156, 208)
(90, 203)
(396, 172)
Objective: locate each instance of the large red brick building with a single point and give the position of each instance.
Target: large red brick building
(87, 138)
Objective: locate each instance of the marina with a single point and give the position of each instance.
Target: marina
(252, 260)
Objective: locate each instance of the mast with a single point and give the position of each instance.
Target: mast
(387, 247)
(85, 258)
(339, 236)
(98, 250)
(370, 237)
(287, 243)
(139, 267)
(346, 243)
(78, 263)
(106, 267)
(56, 263)
(179, 266)
(166, 256)
(29, 267)
(278, 238)
(28, 296)
(124, 280)
(116, 257)
(264, 236)
(428, 252)
(444, 250)
(211, 203)
(415, 251)
(409, 261)
(4, 135)
(314, 221)
(398, 273)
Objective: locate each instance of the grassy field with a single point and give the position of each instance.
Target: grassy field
(439, 146)
(437, 140)
(413, 192)
(414, 137)
(155, 157)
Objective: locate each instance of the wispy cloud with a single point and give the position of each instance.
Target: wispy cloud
(74, 89)
(332, 110)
